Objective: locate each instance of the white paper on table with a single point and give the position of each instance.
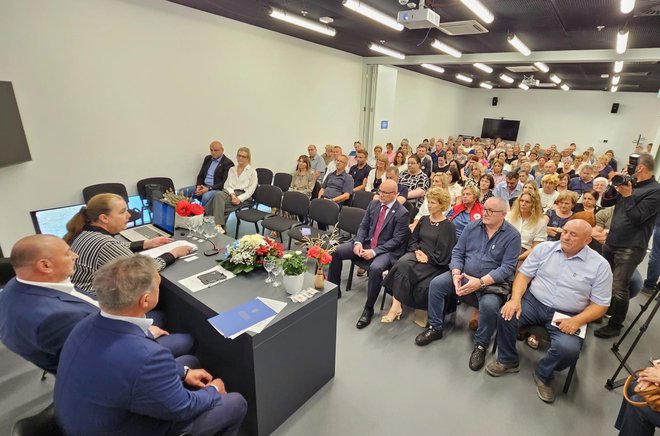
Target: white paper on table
(276, 305)
(194, 284)
(582, 331)
(155, 252)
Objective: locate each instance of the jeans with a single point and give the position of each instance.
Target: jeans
(564, 349)
(653, 271)
(636, 421)
(189, 191)
(442, 287)
(623, 261)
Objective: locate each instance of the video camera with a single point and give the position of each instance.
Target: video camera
(611, 195)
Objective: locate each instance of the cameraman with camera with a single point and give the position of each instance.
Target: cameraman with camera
(637, 199)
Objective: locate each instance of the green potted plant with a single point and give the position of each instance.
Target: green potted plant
(294, 267)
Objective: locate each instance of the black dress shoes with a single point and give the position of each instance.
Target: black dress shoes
(477, 358)
(365, 318)
(427, 336)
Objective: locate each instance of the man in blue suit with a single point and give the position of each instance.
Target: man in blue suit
(115, 379)
(40, 307)
(381, 240)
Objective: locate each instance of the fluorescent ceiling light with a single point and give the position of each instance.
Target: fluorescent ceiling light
(565, 87)
(467, 79)
(555, 78)
(615, 80)
(541, 66)
(486, 85)
(372, 13)
(518, 44)
(483, 67)
(621, 41)
(626, 6)
(481, 11)
(523, 86)
(506, 78)
(614, 88)
(435, 68)
(302, 22)
(447, 49)
(618, 66)
(386, 51)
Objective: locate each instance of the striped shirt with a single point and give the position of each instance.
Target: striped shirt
(96, 247)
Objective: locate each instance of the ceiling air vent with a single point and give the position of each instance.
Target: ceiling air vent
(546, 85)
(523, 69)
(456, 28)
(634, 74)
(647, 8)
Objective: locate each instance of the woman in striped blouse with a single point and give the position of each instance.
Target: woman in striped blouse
(91, 235)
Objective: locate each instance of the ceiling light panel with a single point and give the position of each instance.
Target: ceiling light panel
(486, 85)
(374, 14)
(541, 66)
(621, 41)
(435, 68)
(615, 80)
(523, 86)
(464, 78)
(479, 10)
(618, 66)
(483, 67)
(565, 87)
(386, 51)
(554, 78)
(519, 45)
(506, 78)
(302, 22)
(627, 6)
(445, 48)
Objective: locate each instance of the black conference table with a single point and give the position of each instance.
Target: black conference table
(277, 370)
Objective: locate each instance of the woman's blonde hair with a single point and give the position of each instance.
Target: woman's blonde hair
(100, 204)
(537, 208)
(247, 151)
(440, 195)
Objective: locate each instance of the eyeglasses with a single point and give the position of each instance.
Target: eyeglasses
(386, 193)
(489, 211)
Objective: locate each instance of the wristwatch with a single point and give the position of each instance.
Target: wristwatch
(483, 285)
(185, 372)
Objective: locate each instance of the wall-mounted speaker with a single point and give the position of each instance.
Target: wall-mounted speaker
(615, 108)
(494, 101)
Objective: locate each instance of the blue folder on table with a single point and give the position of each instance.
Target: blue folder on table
(241, 317)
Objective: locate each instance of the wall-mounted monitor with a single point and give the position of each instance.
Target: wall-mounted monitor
(14, 146)
(505, 129)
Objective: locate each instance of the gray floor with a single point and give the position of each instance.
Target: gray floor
(386, 385)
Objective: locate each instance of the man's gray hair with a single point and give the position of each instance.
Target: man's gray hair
(501, 203)
(120, 283)
(647, 160)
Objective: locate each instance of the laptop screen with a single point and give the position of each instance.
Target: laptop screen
(163, 216)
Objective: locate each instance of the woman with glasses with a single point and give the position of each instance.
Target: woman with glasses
(239, 187)
(429, 253)
(377, 175)
(415, 180)
(303, 178)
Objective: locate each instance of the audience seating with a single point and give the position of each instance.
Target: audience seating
(267, 195)
(152, 188)
(294, 203)
(283, 180)
(349, 221)
(6, 271)
(362, 199)
(264, 176)
(316, 190)
(112, 188)
(321, 211)
(412, 210)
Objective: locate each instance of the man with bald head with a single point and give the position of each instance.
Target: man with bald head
(567, 277)
(213, 174)
(40, 307)
(380, 241)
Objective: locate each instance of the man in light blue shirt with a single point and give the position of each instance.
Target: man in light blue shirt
(567, 277)
(318, 164)
(509, 189)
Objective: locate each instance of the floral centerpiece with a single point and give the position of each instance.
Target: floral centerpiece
(294, 267)
(320, 249)
(249, 252)
(188, 213)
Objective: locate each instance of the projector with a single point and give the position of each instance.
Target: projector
(419, 18)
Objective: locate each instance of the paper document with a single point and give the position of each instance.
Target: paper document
(581, 332)
(155, 252)
(277, 306)
(246, 316)
(194, 283)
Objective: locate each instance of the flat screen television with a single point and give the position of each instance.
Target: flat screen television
(12, 136)
(505, 129)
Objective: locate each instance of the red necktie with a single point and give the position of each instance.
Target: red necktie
(379, 226)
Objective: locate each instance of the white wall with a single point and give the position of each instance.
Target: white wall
(554, 117)
(118, 90)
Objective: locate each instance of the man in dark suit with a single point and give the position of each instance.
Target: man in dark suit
(212, 175)
(381, 240)
(40, 307)
(115, 379)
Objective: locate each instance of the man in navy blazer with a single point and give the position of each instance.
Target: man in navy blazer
(213, 174)
(115, 379)
(381, 240)
(40, 307)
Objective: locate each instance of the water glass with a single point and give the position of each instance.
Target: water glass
(269, 264)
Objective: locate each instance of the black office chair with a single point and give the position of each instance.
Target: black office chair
(111, 188)
(348, 225)
(293, 203)
(264, 176)
(267, 195)
(321, 211)
(362, 199)
(153, 188)
(6, 271)
(283, 180)
(316, 190)
(412, 210)
(43, 423)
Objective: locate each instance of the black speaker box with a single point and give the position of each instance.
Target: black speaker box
(615, 108)
(494, 101)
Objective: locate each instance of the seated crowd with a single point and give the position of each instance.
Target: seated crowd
(462, 220)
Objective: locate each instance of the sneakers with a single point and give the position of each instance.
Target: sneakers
(545, 392)
(427, 336)
(607, 331)
(497, 369)
(477, 358)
